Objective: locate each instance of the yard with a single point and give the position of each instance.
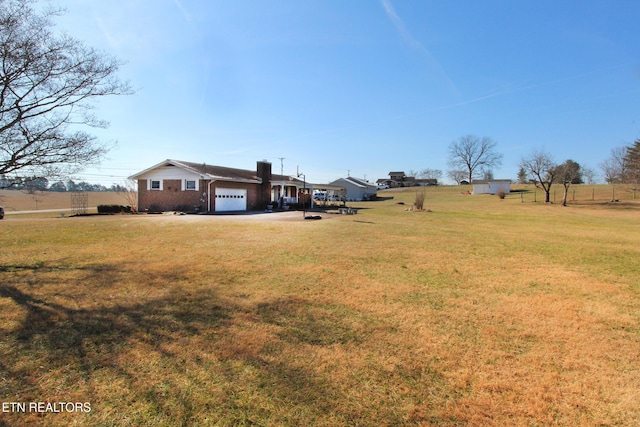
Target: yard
(481, 312)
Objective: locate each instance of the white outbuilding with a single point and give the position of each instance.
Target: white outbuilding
(493, 186)
(357, 189)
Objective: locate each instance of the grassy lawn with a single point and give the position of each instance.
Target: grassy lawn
(481, 312)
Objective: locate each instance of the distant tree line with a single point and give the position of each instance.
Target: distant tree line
(33, 184)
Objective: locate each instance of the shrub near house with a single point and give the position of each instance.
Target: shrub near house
(111, 209)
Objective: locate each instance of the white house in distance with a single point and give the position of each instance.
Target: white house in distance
(356, 189)
(492, 186)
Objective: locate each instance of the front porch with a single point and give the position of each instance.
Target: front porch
(285, 194)
(287, 190)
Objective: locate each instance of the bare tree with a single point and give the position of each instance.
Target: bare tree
(614, 167)
(431, 174)
(471, 154)
(47, 83)
(540, 166)
(129, 192)
(588, 174)
(457, 175)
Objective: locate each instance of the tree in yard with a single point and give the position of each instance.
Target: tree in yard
(588, 174)
(614, 168)
(129, 192)
(523, 177)
(568, 173)
(457, 175)
(541, 168)
(47, 83)
(631, 163)
(487, 174)
(431, 174)
(473, 154)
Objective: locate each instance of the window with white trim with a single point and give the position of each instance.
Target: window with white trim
(190, 185)
(155, 184)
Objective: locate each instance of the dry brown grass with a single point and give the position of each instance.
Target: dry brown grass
(13, 200)
(483, 312)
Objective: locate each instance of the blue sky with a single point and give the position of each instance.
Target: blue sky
(362, 86)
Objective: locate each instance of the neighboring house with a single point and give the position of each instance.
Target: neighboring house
(398, 179)
(493, 186)
(187, 186)
(356, 189)
(397, 176)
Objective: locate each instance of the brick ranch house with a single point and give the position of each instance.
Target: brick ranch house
(187, 186)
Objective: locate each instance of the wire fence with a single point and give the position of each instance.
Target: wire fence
(580, 193)
(577, 192)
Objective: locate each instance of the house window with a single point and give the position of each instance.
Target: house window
(155, 185)
(190, 185)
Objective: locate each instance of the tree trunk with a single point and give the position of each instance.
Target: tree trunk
(566, 194)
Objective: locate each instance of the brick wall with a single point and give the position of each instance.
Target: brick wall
(171, 197)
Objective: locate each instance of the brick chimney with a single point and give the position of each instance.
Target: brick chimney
(263, 170)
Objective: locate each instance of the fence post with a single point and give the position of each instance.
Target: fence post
(574, 194)
(593, 194)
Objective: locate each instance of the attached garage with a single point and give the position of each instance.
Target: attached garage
(230, 199)
(175, 185)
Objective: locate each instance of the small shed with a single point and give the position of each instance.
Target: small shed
(356, 189)
(493, 186)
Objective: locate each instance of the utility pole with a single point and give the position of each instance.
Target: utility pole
(304, 183)
(281, 165)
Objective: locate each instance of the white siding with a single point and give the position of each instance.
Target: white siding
(170, 172)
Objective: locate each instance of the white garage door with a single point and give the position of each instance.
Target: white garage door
(230, 199)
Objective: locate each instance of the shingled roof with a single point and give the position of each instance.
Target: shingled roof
(206, 171)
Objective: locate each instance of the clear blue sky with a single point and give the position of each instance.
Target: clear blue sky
(365, 86)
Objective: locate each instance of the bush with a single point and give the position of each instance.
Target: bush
(502, 194)
(110, 209)
(419, 203)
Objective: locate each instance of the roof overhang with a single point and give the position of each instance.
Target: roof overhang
(189, 169)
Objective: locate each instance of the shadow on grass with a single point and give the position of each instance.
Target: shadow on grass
(614, 205)
(61, 341)
(60, 344)
(315, 324)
